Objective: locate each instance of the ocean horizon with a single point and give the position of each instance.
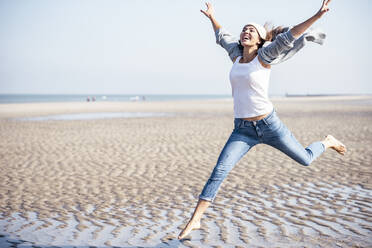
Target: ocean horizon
(39, 98)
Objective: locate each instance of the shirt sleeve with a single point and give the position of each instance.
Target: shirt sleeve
(282, 43)
(229, 42)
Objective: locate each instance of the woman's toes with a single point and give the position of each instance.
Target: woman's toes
(336, 144)
(188, 229)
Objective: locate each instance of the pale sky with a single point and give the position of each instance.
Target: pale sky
(168, 46)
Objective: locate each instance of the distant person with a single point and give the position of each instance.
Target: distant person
(256, 121)
(88, 99)
(93, 99)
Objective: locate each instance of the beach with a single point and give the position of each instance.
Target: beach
(134, 180)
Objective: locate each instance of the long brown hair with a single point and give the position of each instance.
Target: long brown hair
(271, 31)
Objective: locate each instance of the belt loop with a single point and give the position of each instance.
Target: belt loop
(265, 119)
(240, 123)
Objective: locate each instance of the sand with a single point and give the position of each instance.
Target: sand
(129, 182)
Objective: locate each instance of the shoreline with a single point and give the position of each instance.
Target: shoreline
(223, 105)
(188, 98)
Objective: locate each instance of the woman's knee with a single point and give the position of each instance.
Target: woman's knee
(220, 172)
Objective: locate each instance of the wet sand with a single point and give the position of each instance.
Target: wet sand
(129, 182)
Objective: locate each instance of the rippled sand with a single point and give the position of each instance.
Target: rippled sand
(130, 182)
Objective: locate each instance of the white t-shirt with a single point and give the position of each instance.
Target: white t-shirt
(250, 85)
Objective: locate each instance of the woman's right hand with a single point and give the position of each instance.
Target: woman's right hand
(209, 12)
(324, 8)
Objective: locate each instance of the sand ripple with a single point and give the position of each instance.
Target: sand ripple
(134, 182)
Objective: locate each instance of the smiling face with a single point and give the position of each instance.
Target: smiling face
(249, 36)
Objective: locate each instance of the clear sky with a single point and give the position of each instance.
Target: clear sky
(168, 46)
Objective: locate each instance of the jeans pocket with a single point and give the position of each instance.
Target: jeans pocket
(237, 124)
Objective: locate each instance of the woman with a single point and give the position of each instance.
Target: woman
(256, 120)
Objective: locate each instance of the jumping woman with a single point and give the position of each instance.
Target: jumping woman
(256, 121)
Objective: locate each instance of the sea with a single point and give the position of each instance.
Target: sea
(35, 98)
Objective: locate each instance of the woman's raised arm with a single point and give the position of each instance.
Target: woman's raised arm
(299, 29)
(223, 38)
(210, 14)
(285, 41)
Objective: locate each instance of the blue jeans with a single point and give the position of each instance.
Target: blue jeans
(246, 134)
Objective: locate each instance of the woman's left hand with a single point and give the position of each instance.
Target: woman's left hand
(299, 29)
(324, 8)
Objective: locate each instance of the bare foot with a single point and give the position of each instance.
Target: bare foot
(332, 142)
(189, 227)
